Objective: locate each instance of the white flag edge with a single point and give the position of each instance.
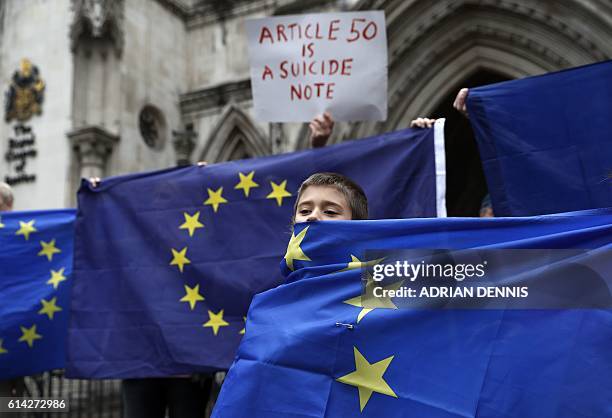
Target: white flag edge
(440, 162)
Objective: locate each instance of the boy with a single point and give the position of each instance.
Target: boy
(330, 196)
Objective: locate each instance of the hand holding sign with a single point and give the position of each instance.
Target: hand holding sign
(321, 128)
(304, 65)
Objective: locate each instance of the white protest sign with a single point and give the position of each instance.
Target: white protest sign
(304, 65)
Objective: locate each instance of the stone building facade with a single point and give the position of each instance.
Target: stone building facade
(136, 85)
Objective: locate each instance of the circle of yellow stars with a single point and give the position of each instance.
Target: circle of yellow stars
(246, 183)
(49, 307)
(193, 222)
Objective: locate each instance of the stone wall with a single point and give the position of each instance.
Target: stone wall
(218, 67)
(38, 30)
(153, 72)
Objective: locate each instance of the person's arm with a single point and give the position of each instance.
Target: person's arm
(459, 104)
(94, 181)
(321, 128)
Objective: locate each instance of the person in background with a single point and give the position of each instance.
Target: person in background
(175, 397)
(459, 104)
(6, 197)
(486, 208)
(321, 128)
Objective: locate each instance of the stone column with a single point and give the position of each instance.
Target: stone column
(184, 144)
(93, 146)
(277, 136)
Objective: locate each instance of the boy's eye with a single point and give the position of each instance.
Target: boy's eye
(331, 212)
(304, 211)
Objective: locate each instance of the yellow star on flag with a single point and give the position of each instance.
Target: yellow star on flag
(1, 226)
(355, 263)
(294, 251)
(179, 258)
(29, 335)
(215, 321)
(215, 198)
(278, 192)
(192, 222)
(2, 349)
(378, 303)
(25, 229)
(368, 378)
(49, 307)
(48, 249)
(243, 330)
(192, 296)
(56, 277)
(356, 301)
(246, 183)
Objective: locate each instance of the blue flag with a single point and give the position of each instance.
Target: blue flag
(35, 268)
(313, 348)
(167, 262)
(546, 141)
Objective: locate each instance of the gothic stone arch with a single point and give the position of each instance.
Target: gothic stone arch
(433, 46)
(234, 137)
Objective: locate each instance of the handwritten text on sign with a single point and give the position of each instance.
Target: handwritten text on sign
(303, 65)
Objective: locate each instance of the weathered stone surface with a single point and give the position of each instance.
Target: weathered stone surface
(189, 60)
(38, 30)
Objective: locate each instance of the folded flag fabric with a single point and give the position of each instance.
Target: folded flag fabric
(545, 142)
(35, 268)
(166, 263)
(312, 348)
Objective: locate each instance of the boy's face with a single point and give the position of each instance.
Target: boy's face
(322, 203)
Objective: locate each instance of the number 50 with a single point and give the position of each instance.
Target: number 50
(368, 32)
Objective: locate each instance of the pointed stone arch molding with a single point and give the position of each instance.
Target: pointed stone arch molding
(441, 76)
(434, 45)
(446, 76)
(98, 19)
(234, 136)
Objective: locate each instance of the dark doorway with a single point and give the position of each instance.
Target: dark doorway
(465, 181)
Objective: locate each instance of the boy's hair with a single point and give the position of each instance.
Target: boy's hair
(354, 194)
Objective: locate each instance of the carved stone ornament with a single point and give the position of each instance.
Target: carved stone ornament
(152, 125)
(184, 143)
(25, 94)
(98, 19)
(93, 145)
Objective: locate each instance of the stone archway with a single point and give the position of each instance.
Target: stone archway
(234, 137)
(433, 46)
(465, 181)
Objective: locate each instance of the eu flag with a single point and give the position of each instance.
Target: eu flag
(35, 278)
(312, 348)
(545, 141)
(166, 263)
